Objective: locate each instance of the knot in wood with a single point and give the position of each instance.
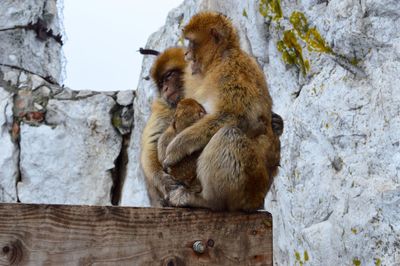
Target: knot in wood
(13, 252)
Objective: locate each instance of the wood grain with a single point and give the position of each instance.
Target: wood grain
(93, 235)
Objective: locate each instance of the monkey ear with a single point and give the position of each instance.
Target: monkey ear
(217, 36)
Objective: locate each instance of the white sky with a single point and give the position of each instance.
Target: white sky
(103, 37)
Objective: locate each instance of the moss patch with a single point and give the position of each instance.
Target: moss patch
(310, 36)
(292, 53)
(356, 262)
(244, 13)
(271, 9)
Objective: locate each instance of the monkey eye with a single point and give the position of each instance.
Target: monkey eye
(168, 75)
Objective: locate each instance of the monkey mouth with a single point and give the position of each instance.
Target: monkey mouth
(174, 98)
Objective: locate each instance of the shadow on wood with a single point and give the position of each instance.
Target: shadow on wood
(85, 235)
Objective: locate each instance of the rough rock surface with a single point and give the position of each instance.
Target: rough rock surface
(8, 150)
(336, 199)
(69, 160)
(58, 145)
(33, 48)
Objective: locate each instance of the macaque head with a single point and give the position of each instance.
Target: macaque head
(210, 35)
(187, 112)
(167, 73)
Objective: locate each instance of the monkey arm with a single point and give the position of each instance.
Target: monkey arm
(194, 138)
(158, 182)
(163, 142)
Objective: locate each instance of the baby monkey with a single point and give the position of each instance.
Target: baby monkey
(187, 112)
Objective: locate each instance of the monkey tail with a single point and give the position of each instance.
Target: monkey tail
(148, 52)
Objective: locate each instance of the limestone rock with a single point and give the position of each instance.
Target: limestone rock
(21, 48)
(15, 13)
(26, 47)
(8, 150)
(69, 161)
(125, 98)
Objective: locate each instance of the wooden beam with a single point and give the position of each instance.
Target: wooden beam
(104, 235)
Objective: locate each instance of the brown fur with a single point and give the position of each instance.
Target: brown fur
(159, 182)
(187, 112)
(170, 59)
(236, 166)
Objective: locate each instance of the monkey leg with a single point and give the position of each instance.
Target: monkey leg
(183, 197)
(232, 171)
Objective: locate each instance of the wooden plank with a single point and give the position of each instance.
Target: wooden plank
(98, 235)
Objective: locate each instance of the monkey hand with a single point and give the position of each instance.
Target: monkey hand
(174, 154)
(165, 183)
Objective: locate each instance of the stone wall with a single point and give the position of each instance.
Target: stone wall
(57, 145)
(333, 71)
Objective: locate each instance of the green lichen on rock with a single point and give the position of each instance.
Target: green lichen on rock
(244, 13)
(298, 258)
(378, 262)
(306, 257)
(310, 36)
(297, 255)
(299, 23)
(356, 262)
(292, 53)
(116, 121)
(354, 61)
(271, 9)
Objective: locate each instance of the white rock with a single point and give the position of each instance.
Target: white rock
(84, 94)
(21, 12)
(64, 94)
(23, 78)
(125, 97)
(38, 106)
(40, 57)
(13, 58)
(70, 161)
(337, 197)
(36, 81)
(11, 76)
(8, 152)
(43, 91)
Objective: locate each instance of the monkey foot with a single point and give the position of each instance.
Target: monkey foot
(177, 197)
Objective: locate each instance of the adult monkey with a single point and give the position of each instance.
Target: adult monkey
(236, 166)
(167, 72)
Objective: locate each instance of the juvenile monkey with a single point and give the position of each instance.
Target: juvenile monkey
(187, 112)
(167, 73)
(236, 167)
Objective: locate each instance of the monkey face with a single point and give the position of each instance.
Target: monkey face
(187, 113)
(190, 56)
(171, 87)
(210, 35)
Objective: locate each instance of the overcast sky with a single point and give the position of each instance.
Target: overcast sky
(103, 37)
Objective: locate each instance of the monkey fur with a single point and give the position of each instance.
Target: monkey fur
(158, 182)
(187, 112)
